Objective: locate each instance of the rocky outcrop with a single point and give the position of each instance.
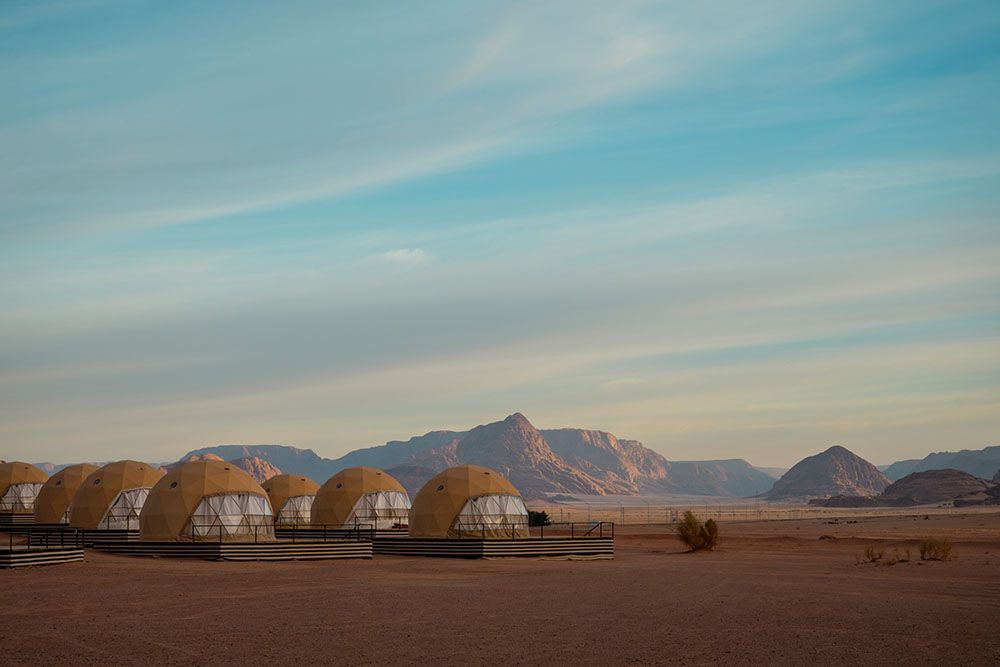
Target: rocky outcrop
(258, 468)
(934, 486)
(835, 472)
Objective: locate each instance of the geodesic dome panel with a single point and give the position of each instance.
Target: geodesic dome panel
(231, 516)
(112, 496)
(296, 512)
(381, 510)
(124, 512)
(169, 512)
(291, 499)
(492, 516)
(54, 498)
(19, 486)
(376, 494)
(458, 498)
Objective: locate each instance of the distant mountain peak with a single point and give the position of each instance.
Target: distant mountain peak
(836, 471)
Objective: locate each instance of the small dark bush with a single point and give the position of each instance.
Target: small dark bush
(697, 536)
(935, 549)
(538, 518)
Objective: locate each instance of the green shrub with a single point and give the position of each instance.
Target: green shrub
(538, 518)
(935, 549)
(697, 536)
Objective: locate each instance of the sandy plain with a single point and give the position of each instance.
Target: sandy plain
(774, 593)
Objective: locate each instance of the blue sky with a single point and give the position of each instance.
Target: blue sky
(724, 230)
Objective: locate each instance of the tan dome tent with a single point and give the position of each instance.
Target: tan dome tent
(291, 499)
(55, 496)
(361, 496)
(206, 501)
(19, 485)
(112, 496)
(468, 501)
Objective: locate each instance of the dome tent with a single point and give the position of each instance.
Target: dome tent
(56, 495)
(112, 496)
(291, 499)
(19, 485)
(206, 501)
(361, 496)
(468, 500)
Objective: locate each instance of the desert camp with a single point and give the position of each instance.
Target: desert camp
(20, 484)
(206, 501)
(361, 496)
(291, 499)
(52, 505)
(470, 499)
(113, 496)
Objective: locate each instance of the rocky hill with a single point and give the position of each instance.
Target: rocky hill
(188, 458)
(982, 463)
(288, 459)
(258, 468)
(538, 462)
(835, 472)
(935, 486)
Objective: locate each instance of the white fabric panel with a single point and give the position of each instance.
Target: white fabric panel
(232, 515)
(492, 511)
(124, 511)
(20, 498)
(383, 510)
(297, 511)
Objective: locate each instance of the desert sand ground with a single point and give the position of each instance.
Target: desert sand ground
(773, 593)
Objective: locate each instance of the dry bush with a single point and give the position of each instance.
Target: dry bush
(697, 536)
(935, 549)
(871, 555)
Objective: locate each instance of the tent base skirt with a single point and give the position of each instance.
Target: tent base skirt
(242, 551)
(591, 548)
(24, 556)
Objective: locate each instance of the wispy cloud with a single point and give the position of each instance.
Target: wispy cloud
(407, 255)
(710, 228)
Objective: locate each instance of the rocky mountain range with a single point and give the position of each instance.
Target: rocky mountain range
(538, 462)
(925, 488)
(834, 472)
(983, 463)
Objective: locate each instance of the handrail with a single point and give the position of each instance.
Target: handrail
(522, 530)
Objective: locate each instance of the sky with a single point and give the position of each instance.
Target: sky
(728, 229)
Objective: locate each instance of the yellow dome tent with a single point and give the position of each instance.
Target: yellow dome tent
(19, 485)
(206, 501)
(55, 496)
(366, 497)
(291, 499)
(468, 501)
(112, 496)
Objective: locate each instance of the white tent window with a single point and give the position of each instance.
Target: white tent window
(19, 498)
(231, 515)
(124, 512)
(382, 510)
(297, 511)
(495, 514)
